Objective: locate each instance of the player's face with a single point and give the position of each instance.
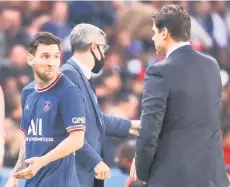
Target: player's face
(46, 61)
(159, 39)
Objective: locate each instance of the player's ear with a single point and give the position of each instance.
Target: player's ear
(30, 59)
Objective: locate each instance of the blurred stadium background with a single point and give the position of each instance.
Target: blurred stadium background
(119, 86)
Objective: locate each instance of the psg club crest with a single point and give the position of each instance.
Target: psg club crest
(47, 106)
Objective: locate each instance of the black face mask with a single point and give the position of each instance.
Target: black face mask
(98, 63)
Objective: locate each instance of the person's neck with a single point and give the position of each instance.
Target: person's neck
(41, 84)
(84, 60)
(172, 45)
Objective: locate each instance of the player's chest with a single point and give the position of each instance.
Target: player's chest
(40, 107)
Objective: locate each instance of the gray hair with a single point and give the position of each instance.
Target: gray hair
(83, 35)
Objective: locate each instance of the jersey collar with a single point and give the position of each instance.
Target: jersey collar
(50, 85)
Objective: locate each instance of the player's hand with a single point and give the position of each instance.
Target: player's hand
(135, 126)
(102, 171)
(12, 182)
(36, 163)
(133, 174)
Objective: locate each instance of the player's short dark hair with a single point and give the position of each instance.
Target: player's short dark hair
(176, 19)
(45, 38)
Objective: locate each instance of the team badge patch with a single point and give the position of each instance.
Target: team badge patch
(47, 106)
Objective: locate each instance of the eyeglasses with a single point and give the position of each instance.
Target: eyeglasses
(104, 46)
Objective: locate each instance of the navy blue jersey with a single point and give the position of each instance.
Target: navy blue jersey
(49, 114)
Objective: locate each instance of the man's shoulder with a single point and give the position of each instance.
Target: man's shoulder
(29, 88)
(66, 65)
(65, 82)
(206, 61)
(71, 73)
(207, 57)
(68, 70)
(158, 66)
(66, 85)
(171, 63)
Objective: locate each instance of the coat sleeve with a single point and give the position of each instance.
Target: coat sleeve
(154, 103)
(116, 127)
(87, 157)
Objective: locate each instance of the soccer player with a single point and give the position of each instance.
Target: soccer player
(53, 121)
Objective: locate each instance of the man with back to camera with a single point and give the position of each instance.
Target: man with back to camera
(51, 121)
(179, 143)
(88, 44)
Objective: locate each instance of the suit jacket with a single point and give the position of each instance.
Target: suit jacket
(98, 125)
(180, 140)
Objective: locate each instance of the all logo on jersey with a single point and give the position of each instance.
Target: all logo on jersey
(47, 106)
(35, 131)
(35, 127)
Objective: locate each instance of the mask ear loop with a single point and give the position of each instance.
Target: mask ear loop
(100, 52)
(94, 53)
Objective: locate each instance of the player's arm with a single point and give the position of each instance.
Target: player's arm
(66, 147)
(73, 114)
(63, 149)
(21, 158)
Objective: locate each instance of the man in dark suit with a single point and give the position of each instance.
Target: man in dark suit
(88, 44)
(179, 143)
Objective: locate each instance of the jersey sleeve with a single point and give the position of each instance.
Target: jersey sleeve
(72, 109)
(22, 125)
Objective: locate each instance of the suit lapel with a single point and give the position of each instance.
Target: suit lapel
(91, 93)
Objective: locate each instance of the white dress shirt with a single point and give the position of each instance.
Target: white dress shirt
(83, 68)
(176, 47)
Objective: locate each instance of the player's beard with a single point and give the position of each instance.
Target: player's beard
(44, 77)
